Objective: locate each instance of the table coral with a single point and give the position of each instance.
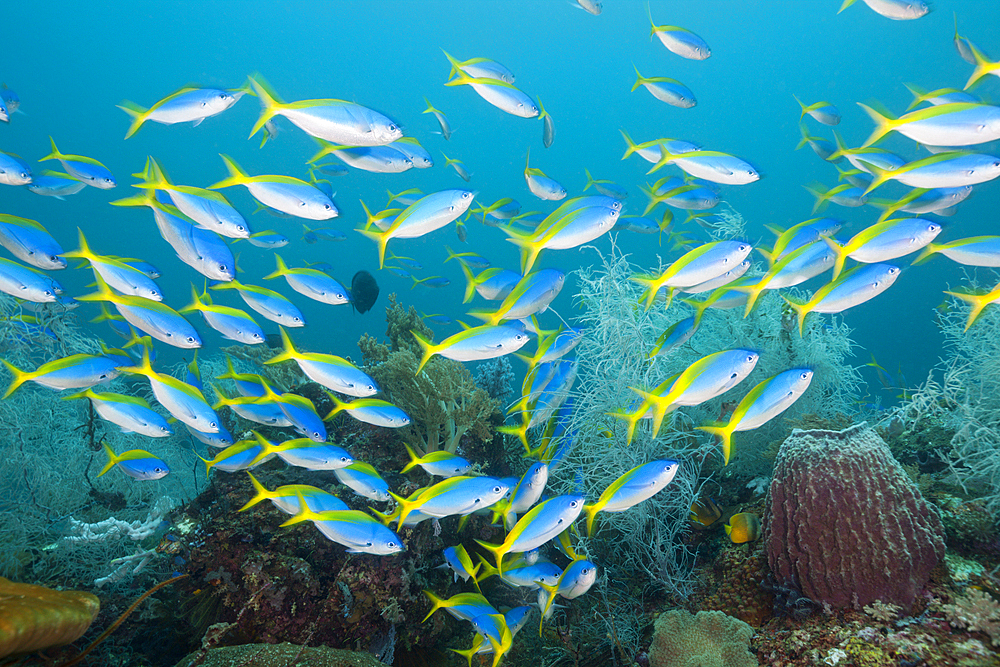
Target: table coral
(844, 523)
(705, 639)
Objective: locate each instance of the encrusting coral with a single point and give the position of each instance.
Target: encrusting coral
(705, 639)
(279, 655)
(442, 400)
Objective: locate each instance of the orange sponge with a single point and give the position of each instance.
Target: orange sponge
(33, 618)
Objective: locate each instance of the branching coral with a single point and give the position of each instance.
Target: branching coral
(442, 400)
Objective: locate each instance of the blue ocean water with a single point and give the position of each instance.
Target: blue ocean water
(71, 65)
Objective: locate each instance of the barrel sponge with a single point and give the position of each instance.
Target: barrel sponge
(33, 618)
(705, 639)
(844, 524)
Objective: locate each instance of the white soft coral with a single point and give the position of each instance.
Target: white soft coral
(759, 485)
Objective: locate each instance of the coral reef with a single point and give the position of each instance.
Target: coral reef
(968, 525)
(613, 356)
(443, 402)
(271, 584)
(845, 525)
(705, 639)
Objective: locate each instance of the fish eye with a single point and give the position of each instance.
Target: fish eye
(392, 128)
(213, 425)
(804, 376)
(326, 206)
(223, 268)
(497, 489)
(24, 174)
(108, 180)
(302, 203)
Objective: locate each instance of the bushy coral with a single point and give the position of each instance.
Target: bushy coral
(705, 639)
(960, 412)
(613, 357)
(50, 455)
(976, 611)
(845, 525)
(497, 377)
(443, 402)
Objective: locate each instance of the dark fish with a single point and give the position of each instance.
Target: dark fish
(364, 291)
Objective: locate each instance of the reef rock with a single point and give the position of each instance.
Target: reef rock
(845, 525)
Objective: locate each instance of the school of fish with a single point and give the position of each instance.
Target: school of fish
(200, 224)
